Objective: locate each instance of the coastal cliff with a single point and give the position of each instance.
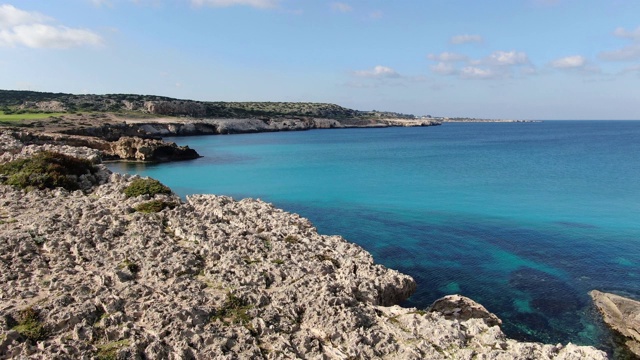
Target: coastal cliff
(123, 268)
(131, 127)
(124, 148)
(622, 315)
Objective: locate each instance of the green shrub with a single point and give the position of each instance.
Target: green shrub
(149, 187)
(130, 265)
(109, 351)
(45, 170)
(29, 325)
(234, 310)
(154, 206)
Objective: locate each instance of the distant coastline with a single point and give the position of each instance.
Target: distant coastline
(130, 127)
(471, 120)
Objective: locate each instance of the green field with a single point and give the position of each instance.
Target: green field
(29, 116)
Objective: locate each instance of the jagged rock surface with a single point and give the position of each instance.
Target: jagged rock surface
(135, 148)
(124, 148)
(214, 278)
(622, 315)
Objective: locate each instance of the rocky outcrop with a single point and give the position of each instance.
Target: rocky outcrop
(622, 315)
(52, 106)
(456, 307)
(85, 275)
(176, 108)
(150, 150)
(125, 148)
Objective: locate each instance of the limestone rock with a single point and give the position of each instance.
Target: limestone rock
(124, 148)
(135, 148)
(622, 315)
(462, 308)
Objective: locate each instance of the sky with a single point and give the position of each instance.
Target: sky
(508, 59)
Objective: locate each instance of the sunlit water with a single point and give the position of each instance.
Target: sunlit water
(525, 218)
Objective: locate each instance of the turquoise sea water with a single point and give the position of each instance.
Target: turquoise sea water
(525, 218)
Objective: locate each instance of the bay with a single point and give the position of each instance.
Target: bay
(525, 218)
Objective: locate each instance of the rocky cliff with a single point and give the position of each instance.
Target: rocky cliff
(124, 148)
(124, 269)
(189, 127)
(622, 315)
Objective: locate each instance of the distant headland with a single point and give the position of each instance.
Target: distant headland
(130, 127)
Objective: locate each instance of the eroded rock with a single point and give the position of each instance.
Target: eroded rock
(622, 315)
(212, 277)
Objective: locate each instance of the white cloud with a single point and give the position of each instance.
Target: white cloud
(447, 57)
(633, 34)
(11, 16)
(23, 28)
(472, 72)
(570, 62)
(341, 7)
(378, 72)
(46, 36)
(260, 4)
(499, 64)
(443, 68)
(466, 38)
(508, 58)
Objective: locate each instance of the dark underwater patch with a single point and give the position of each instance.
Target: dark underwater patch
(550, 295)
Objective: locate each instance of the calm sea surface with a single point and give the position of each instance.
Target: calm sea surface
(525, 218)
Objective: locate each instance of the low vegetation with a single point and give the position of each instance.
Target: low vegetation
(154, 206)
(233, 311)
(29, 325)
(109, 351)
(130, 265)
(149, 187)
(38, 103)
(45, 170)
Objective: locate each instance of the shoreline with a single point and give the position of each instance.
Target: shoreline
(215, 277)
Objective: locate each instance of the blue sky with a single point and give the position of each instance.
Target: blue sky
(524, 59)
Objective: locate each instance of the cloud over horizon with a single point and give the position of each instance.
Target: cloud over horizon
(569, 62)
(24, 28)
(498, 64)
(378, 71)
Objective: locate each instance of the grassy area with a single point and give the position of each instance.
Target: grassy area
(28, 116)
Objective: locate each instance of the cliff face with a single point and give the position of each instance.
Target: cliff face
(157, 129)
(95, 273)
(622, 315)
(124, 148)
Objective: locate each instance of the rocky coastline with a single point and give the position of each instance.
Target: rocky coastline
(131, 127)
(141, 140)
(622, 316)
(109, 273)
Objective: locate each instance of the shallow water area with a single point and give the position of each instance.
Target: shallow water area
(524, 218)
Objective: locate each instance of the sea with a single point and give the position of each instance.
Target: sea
(525, 218)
